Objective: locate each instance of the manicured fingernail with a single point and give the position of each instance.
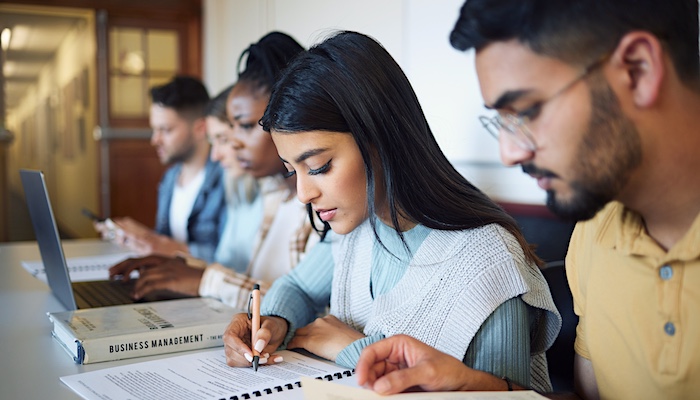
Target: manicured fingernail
(259, 345)
(248, 357)
(265, 355)
(263, 360)
(278, 359)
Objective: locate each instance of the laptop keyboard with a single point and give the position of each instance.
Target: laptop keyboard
(102, 293)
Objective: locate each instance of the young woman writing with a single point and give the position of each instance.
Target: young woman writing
(415, 249)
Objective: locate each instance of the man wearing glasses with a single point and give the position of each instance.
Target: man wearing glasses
(600, 102)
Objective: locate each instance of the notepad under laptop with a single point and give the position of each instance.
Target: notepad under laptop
(73, 295)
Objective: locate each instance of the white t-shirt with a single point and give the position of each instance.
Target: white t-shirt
(181, 206)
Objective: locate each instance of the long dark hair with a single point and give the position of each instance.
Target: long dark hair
(349, 83)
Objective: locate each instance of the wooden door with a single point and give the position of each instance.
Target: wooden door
(137, 51)
(139, 44)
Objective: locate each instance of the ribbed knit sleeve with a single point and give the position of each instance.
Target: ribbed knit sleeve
(300, 296)
(349, 356)
(502, 344)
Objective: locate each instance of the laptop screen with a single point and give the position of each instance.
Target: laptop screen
(46, 233)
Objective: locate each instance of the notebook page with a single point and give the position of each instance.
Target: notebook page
(199, 376)
(81, 269)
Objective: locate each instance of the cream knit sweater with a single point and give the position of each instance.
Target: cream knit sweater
(453, 283)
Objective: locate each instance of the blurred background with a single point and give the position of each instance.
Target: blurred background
(75, 77)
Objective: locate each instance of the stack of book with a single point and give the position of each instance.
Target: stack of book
(141, 329)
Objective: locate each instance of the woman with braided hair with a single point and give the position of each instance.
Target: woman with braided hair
(266, 235)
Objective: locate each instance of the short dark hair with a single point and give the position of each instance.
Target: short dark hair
(184, 94)
(350, 84)
(266, 59)
(581, 31)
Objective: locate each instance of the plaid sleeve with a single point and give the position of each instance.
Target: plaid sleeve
(229, 286)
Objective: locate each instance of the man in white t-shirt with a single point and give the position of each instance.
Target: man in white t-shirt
(191, 202)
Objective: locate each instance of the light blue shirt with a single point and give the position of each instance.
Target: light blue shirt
(243, 222)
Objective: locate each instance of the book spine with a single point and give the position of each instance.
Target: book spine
(151, 343)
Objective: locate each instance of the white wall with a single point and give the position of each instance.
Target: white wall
(416, 34)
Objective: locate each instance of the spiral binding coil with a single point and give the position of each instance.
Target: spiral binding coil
(288, 386)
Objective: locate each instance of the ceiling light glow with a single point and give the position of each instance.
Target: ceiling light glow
(5, 37)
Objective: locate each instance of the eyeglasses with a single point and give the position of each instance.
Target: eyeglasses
(515, 123)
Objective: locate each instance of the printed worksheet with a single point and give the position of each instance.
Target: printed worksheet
(202, 376)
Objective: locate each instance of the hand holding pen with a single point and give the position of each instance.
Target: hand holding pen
(254, 315)
(242, 340)
(104, 226)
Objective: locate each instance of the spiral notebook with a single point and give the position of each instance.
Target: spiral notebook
(204, 375)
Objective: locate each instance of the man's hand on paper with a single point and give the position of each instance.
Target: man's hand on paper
(157, 244)
(118, 228)
(400, 362)
(109, 230)
(138, 238)
(237, 340)
(157, 273)
(326, 337)
(132, 227)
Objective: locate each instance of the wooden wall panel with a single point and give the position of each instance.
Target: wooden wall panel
(135, 172)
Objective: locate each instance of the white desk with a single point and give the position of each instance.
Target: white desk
(31, 362)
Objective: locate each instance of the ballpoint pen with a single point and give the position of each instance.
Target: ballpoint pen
(254, 314)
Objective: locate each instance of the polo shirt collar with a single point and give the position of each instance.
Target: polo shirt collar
(624, 231)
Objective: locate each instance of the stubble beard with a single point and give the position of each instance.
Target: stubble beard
(184, 154)
(607, 155)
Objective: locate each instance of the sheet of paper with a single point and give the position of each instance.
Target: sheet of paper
(81, 269)
(322, 390)
(195, 376)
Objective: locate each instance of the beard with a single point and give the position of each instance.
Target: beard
(185, 153)
(583, 205)
(609, 151)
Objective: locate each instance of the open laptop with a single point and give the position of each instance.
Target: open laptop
(73, 295)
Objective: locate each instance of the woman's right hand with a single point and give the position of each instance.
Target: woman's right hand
(237, 340)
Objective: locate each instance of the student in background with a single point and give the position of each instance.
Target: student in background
(242, 190)
(415, 249)
(266, 235)
(597, 100)
(191, 203)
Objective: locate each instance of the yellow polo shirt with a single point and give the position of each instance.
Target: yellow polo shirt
(638, 307)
